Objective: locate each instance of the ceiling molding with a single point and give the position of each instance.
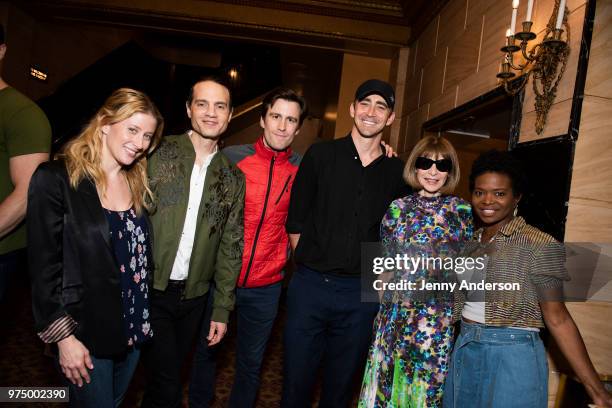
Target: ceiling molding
(386, 12)
(375, 28)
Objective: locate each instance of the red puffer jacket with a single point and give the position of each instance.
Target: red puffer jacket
(269, 176)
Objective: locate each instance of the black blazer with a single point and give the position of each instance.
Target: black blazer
(71, 260)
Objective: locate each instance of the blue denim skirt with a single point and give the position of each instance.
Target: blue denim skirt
(497, 367)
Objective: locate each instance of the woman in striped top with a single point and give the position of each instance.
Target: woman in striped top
(499, 359)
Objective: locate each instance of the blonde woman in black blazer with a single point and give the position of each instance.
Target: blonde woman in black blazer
(90, 248)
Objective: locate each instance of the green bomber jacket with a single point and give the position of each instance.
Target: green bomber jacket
(217, 247)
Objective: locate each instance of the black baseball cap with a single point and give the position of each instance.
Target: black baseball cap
(378, 87)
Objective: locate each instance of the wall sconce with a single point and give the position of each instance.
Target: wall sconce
(38, 74)
(545, 62)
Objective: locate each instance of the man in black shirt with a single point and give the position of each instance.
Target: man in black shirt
(341, 192)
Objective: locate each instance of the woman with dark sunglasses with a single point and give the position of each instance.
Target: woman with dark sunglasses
(408, 359)
(499, 360)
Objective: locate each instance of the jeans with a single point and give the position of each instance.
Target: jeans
(326, 323)
(497, 367)
(256, 310)
(110, 379)
(175, 321)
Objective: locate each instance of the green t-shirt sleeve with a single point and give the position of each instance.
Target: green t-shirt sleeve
(28, 131)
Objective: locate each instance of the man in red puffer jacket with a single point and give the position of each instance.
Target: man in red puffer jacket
(270, 167)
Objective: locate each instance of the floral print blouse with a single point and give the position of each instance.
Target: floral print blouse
(131, 243)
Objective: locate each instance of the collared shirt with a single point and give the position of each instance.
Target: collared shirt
(519, 253)
(337, 203)
(180, 268)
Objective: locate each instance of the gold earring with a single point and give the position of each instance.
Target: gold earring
(515, 211)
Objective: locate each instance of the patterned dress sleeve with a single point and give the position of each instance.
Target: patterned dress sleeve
(466, 218)
(388, 228)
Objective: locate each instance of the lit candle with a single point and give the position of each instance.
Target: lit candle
(529, 10)
(515, 4)
(509, 33)
(560, 15)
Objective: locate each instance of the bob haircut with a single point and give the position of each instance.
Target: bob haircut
(432, 146)
(83, 154)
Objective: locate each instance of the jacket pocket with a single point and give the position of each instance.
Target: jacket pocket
(285, 188)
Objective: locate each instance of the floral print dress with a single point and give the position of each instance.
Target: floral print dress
(131, 243)
(408, 360)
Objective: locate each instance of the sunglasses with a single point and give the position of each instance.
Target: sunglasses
(443, 165)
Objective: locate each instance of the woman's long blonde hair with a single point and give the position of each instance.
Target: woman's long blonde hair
(83, 154)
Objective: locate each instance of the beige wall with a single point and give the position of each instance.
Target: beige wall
(398, 76)
(590, 210)
(457, 57)
(590, 204)
(355, 70)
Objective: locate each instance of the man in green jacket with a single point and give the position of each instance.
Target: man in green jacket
(198, 232)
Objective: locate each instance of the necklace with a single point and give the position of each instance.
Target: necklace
(428, 202)
(495, 234)
(489, 240)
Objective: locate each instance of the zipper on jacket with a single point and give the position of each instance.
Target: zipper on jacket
(263, 214)
(283, 190)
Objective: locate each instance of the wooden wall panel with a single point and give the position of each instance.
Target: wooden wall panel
(589, 217)
(596, 331)
(427, 44)
(478, 84)
(462, 60)
(413, 88)
(599, 80)
(444, 103)
(397, 76)
(433, 75)
(588, 221)
(476, 9)
(415, 121)
(542, 11)
(411, 132)
(557, 122)
(592, 173)
(452, 23)
(412, 60)
(497, 20)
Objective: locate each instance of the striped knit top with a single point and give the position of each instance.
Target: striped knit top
(519, 253)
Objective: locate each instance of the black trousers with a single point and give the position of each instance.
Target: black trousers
(327, 326)
(175, 322)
